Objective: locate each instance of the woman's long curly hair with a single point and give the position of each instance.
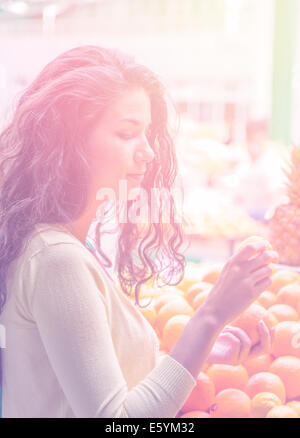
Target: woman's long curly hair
(44, 169)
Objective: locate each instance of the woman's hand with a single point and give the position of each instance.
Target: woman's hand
(245, 276)
(233, 346)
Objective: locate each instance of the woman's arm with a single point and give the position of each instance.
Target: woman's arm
(196, 341)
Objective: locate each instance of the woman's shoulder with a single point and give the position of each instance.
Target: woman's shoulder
(54, 265)
(51, 252)
(49, 247)
(45, 236)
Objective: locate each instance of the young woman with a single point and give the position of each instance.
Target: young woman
(76, 345)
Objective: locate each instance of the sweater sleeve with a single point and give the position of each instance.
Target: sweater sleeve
(68, 306)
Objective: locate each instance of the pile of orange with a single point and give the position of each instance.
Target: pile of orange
(266, 386)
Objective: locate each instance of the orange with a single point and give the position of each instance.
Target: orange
(262, 403)
(272, 320)
(173, 329)
(205, 367)
(282, 412)
(158, 335)
(249, 319)
(266, 382)
(295, 405)
(149, 283)
(282, 278)
(168, 288)
(287, 368)
(228, 376)
(164, 299)
(202, 396)
(231, 403)
(195, 414)
(196, 289)
(267, 299)
(254, 239)
(175, 307)
(200, 299)
(149, 313)
(155, 291)
(258, 364)
(148, 292)
(212, 274)
(286, 339)
(290, 295)
(283, 312)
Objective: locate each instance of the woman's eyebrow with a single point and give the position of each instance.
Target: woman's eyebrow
(134, 121)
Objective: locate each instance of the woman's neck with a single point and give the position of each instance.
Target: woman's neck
(80, 227)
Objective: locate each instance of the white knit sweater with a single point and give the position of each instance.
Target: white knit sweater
(76, 345)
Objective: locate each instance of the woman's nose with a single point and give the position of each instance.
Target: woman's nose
(144, 152)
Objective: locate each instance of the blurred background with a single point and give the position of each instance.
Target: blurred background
(233, 71)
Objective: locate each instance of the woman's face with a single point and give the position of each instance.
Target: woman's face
(118, 149)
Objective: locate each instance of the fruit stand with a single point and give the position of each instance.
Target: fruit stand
(264, 386)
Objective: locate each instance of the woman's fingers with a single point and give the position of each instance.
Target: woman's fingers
(264, 344)
(262, 259)
(250, 250)
(245, 341)
(261, 273)
(246, 351)
(226, 350)
(237, 287)
(262, 285)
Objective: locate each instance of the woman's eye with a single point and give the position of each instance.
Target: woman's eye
(126, 136)
(131, 135)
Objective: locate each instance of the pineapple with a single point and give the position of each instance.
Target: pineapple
(285, 223)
